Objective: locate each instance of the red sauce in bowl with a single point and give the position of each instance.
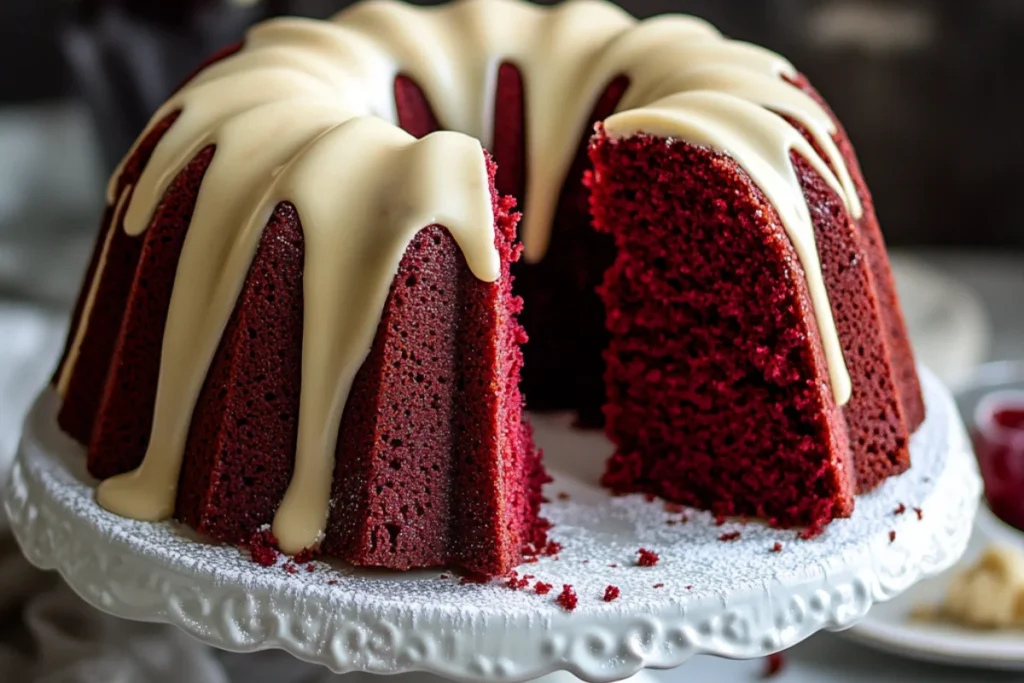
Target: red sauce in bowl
(998, 437)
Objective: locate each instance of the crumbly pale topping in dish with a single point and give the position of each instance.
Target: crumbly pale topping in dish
(989, 594)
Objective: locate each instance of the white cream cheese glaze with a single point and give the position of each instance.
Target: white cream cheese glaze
(305, 113)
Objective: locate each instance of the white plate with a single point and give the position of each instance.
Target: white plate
(889, 626)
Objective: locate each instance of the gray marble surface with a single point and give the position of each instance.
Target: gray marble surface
(50, 197)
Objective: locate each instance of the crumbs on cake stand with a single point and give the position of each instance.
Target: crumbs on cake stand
(647, 558)
(567, 599)
(774, 664)
(263, 550)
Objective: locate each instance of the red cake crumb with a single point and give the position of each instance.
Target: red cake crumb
(671, 522)
(304, 556)
(720, 520)
(444, 576)
(567, 598)
(516, 583)
(773, 664)
(900, 509)
(920, 513)
(291, 568)
(611, 593)
(310, 568)
(777, 548)
(689, 587)
(332, 582)
(648, 558)
(674, 508)
(729, 536)
(563, 496)
(650, 497)
(542, 588)
(263, 548)
(892, 536)
(614, 566)
(533, 559)
(811, 532)
(659, 585)
(529, 577)
(552, 548)
(548, 549)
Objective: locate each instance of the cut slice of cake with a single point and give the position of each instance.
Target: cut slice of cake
(723, 392)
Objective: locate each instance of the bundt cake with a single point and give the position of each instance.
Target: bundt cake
(300, 308)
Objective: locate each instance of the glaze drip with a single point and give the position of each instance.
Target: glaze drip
(304, 113)
(363, 188)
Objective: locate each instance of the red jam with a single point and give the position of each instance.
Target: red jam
(1011, 418)
(999, 443)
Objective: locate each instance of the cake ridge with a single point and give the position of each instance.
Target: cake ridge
(78, 334)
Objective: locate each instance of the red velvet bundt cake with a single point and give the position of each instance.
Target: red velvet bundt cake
(300, 308)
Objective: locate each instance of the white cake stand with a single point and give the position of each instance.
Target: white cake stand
(730, 598)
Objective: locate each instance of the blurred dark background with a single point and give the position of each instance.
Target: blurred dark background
(929, 90)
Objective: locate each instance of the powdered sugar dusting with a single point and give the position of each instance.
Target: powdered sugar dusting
(596, 531)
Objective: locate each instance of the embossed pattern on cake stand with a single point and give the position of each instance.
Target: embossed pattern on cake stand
(734, 598)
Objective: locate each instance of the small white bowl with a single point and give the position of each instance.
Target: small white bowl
(988, 388)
